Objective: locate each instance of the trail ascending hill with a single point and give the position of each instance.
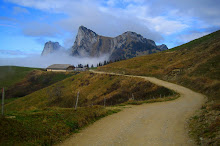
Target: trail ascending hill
(148, 124)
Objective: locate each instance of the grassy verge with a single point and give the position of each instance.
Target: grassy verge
(53, 125)
(48, 126)
(163, 99)
(205, 125)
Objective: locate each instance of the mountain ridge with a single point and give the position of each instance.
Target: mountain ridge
(51, 47)
(124, 46)
(89, 44)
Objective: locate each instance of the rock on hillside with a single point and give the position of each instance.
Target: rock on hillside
(127, 45)
(50, 47)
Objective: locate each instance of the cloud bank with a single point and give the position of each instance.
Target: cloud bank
(55, 58)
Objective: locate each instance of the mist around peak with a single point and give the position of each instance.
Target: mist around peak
(58, 57)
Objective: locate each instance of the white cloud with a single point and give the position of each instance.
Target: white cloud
(142, 15)
(39, 29)
(150, 18)
(206, 11)
(167, 27)
(45, 61)
(89, 13)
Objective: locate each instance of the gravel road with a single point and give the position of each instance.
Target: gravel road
(163, 123)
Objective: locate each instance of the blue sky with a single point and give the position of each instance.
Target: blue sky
(25, 25)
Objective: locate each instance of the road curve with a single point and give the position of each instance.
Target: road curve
(161, 123)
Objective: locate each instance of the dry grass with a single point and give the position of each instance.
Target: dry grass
(35, 80)
(9, 75)
(48, 126)
(195, 65)
(93, 89)
(47, 116)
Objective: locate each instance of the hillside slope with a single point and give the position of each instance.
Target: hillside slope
(93, 89)
(195, 65)
(35, 80)
(9, 75)
(161, 123)
(47, 116)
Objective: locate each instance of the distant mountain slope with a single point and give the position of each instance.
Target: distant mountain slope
(33, 81)
(127, 45)
(9, 75)
(195, 64)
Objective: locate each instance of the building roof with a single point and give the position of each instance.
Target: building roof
(59, 66)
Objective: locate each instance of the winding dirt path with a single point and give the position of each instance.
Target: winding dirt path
(161, 123)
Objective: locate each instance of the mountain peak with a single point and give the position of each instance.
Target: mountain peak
(83, 29)
(50, 47)
(132, 34)
(127, 45)
(162, 47)
(129, 33)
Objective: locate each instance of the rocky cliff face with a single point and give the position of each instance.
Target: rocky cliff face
(50, 47)
(90, 44)
(127, 45)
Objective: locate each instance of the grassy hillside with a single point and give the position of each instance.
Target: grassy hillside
(9, 75)
(34, 81)
(47, 116)
(48, 126)
(93, 89)
(195, 65)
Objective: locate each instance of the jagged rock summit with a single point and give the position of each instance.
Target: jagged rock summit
(50, 47)
(124, 46)
(90, 44)
(162, 47)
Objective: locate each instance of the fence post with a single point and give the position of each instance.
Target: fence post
(77, 100)
(132, 96)
(3, 97)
